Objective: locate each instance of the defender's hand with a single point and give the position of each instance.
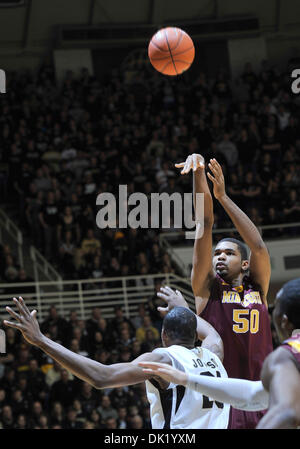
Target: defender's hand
(165, 371)
(217, 178)
(26, 322)
(194, 161)
(173, 299)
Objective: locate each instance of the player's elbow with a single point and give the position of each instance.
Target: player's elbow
(100, 379)
(208, 221)
(259, 246)
(99, 383)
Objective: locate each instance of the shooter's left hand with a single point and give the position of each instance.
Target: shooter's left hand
(217, 178)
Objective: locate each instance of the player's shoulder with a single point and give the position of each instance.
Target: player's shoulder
(278, 356)
(161, 355)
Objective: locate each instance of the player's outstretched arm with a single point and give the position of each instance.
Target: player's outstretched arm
(206, 333)
(259, 267)
(281, 379)
(88, 370)
(202, 271)
(240, 393)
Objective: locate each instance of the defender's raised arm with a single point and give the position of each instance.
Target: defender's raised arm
(88, 370)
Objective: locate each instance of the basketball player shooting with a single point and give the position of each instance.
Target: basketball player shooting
(231, 288)
(171, 407)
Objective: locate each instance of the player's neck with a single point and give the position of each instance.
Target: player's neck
(185, 344)
(236, 281)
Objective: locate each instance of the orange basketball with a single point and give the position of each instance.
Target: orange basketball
(171, 51)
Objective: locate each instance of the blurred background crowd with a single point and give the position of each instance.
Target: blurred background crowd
(63, 145)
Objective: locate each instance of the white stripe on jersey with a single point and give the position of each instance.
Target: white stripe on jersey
(183, 408)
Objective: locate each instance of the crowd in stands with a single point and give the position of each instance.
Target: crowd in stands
(64, 144)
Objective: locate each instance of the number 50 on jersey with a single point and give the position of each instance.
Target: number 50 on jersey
(245, 320)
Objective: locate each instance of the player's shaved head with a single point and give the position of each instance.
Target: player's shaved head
(180, 325)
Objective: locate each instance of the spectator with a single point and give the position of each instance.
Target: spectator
(124, 338)
(68, 223)
(292, 210)
(54, 374)
(270, 142)
(49, 219)
(88, 425)
(88, 248)
(67, 250)
(136, 422)
(96, 344)
(122, 418)
(63, 390)
(79, 412)
(229, 151)
(95, 418)
(119, 397)
(147, 325)
(82, 339)
(36, 381)
(119, 319)
(247, 149)
(163, 175)
(7, 418)
(72, 322)
(35, 412)
(71, 421)
(3, 399)
(137, 321)
(18, 403)
(57, 414)
(22, 422)
(43, 421)
(251, 192)
(88, 398)
(106, 410)
(151, 341)
(22, 384)
(92, 322)
(54, 319)
(110, 423)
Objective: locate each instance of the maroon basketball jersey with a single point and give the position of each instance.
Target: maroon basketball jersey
(292, 344)
(242, 320)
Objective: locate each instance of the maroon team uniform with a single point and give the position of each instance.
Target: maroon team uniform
(292, 344)
(242, 320)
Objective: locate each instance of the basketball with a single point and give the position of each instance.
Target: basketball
(171, 51)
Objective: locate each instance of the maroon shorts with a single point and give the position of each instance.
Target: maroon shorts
(239, 419)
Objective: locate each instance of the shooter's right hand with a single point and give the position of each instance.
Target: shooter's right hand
(194, 161)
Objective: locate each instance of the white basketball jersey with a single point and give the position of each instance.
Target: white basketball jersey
(178, 407)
